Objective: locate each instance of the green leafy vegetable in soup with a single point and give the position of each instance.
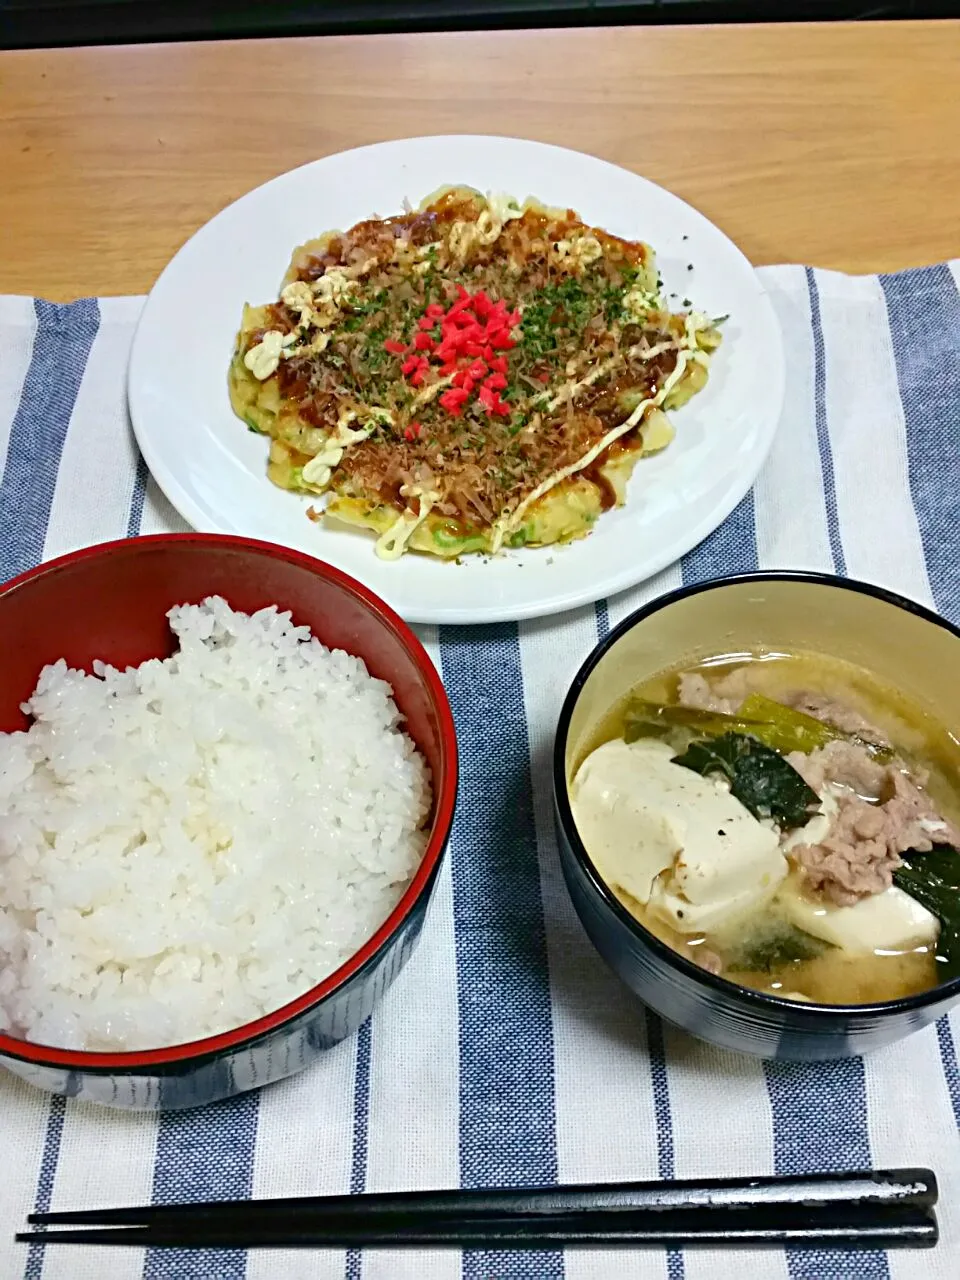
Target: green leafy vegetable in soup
(934, 880)
(760, 778)
(680, 725)
(780, 727)
(782, 944)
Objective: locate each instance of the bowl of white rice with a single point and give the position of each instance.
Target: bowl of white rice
(227, 781)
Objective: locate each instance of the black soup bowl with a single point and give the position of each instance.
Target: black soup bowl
(901, 643)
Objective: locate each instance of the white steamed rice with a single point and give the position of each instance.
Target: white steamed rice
(187, 845)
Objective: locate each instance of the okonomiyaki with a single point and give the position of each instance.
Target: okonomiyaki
(474, 374)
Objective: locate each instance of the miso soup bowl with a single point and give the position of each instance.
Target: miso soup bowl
(899, 642)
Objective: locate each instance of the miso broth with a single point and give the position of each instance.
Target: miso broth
(765, 949)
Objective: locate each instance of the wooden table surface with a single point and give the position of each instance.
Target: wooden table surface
(837, 145)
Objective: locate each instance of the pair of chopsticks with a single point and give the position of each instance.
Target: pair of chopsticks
(871, 1210)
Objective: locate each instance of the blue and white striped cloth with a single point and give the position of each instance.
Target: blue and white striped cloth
(506, 1053)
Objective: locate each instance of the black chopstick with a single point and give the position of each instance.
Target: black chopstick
(819, 1228)
(913, 1188)
(878, 1209)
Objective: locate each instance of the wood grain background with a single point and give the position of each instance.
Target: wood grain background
(837, 145)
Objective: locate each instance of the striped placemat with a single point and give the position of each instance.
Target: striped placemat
(506, 1052)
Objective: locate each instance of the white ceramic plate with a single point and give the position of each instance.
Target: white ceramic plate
(213, 469)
